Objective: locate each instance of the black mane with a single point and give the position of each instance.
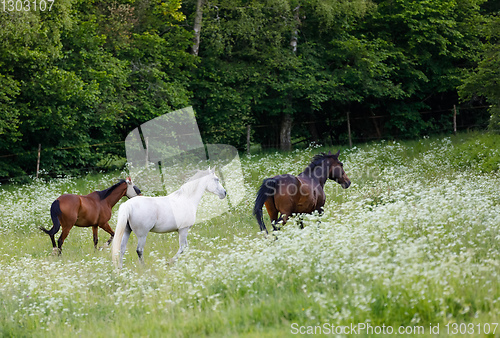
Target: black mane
(105, 193)
(318, 160)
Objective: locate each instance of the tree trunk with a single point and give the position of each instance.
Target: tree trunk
(197, 27)
(286, 133)
(286, 123)
(377, 129)
(295, 33)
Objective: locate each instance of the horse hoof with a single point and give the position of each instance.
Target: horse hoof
(56, 252)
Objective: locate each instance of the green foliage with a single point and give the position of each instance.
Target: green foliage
(9, 116)
(393, 58)
(249, 69)
(426, 46)
(483, 81)
(480, 152)
(88, 72)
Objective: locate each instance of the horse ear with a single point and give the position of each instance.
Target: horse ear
(128, 180)
(337, 154)
(330, 152)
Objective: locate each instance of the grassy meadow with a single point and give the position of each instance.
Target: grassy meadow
(414, 242)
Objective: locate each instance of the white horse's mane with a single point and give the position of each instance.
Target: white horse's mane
(199, 174)
(193, 181)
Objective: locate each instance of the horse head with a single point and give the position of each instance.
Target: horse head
(132, 190)
(214, 186)
(337, 172)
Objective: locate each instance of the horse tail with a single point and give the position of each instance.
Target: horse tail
(55, 212)
(266, 190)
(121, 225)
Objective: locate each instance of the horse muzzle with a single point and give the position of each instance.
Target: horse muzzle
(346, 184)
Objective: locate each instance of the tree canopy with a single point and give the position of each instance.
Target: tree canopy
(78, 78)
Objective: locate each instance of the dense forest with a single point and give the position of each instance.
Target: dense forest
(77, 78)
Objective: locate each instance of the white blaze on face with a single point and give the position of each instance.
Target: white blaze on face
(130, 188)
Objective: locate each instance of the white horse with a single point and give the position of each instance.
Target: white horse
(175, 212)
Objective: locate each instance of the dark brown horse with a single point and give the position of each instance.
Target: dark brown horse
(288, 194)
(92, 210)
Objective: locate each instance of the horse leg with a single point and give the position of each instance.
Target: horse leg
(53, 239)
(284, 217)
(321, 211)
(110, 231)
(64, 234)
(272, 212)
(94, 232)
(141, 242)
(183, 232)
(276, 221)
(123, 244)
(67, 222)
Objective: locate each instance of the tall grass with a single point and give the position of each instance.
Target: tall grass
(414, 241)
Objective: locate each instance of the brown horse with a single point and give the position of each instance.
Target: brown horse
(92, 210)
(288, 194)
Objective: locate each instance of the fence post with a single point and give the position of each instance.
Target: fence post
(146, 141)
(349, 130)
(38, 159)
(454, 119)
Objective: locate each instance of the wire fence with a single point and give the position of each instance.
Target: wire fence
(353, 137)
